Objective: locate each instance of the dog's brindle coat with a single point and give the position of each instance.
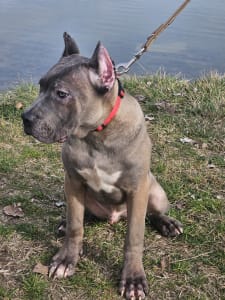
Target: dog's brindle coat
(106, 172)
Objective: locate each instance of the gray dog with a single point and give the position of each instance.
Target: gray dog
(106, 154)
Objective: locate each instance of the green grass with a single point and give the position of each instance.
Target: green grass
(34, 287)
(193, 175)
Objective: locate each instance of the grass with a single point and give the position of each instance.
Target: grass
(191, 266)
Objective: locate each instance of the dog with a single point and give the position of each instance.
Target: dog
(106, 155)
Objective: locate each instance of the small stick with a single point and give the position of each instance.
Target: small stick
(193, 257)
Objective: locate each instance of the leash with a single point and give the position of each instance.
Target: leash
(125, 67)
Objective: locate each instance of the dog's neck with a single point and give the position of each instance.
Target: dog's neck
(109, 102)
(114, 109)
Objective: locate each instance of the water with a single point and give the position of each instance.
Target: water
(31, 35)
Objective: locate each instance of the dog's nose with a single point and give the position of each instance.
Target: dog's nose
(28, 120)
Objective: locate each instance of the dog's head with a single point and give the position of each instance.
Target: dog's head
(72, 95)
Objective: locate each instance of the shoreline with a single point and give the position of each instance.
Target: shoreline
(160, 73)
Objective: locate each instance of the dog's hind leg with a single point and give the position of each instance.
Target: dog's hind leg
(158, 206)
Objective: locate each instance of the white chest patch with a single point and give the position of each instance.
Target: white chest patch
(99, 180)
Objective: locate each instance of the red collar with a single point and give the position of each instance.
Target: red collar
(113, 112)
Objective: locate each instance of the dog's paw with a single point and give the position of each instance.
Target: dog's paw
(62, 265)
(61, 269)
(133, 286)
(166, 226)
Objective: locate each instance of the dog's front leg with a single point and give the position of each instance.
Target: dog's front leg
(64, 262)
(133, 283)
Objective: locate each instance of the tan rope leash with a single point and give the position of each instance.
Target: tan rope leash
(125, 67)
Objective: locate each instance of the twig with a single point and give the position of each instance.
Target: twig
(190, 258)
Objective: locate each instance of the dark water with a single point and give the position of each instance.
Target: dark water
(31, 35)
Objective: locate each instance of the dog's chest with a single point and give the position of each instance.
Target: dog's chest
(100, 180)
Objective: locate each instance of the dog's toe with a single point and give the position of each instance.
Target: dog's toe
(61, 270)
(135, 288)
(167, 226)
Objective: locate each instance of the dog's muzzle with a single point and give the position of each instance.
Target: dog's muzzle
(28, 121)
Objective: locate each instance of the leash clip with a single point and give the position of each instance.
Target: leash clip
(125, 67)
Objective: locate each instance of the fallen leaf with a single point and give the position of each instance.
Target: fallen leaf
(165, 263)
(149, 118)
(204, 145)
(195, 90)
(19, 105)
(59, 204)
(140, 98)
(40, 269)
(211, 166)
(13, 210)
(187, 140)
(164, 105)
(161, 105)
(179, 205)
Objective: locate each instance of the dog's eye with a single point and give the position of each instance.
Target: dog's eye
(62, 94)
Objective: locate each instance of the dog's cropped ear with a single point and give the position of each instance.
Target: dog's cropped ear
(102, 73)
(70, 45)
